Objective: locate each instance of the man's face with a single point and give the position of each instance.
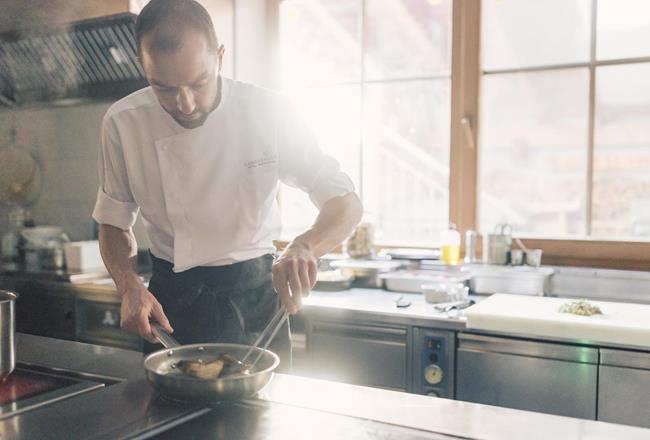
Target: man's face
(184, 80)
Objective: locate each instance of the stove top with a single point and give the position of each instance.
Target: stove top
(23, 384)
(29, 387)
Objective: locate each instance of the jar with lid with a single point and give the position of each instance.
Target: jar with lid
(360, 243)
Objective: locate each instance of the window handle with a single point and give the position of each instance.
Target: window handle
(466, 123)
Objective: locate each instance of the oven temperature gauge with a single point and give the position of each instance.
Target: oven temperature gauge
(433, 374)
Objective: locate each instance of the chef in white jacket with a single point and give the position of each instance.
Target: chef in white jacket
(200, 157)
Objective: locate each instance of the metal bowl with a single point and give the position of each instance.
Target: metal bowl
(162, 373)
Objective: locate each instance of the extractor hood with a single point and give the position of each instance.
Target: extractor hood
(91, 59)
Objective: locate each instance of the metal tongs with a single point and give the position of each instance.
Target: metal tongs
(270, 330)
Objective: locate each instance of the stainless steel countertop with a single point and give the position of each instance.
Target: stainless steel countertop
(290, 407)
(379, 305)
(373, 305)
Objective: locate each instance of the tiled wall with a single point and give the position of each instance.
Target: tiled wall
(65, 142)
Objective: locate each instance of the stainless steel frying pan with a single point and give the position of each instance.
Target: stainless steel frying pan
(163, 373)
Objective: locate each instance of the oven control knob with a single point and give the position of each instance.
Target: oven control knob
(433, 374)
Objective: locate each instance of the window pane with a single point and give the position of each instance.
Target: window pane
(524, 33)
(621, 193)
(319, 41)
(534, 151)
(406, 159)
(334, 114)
(623, 29)
(405, 39)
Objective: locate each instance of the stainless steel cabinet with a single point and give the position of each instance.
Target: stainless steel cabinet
(529, 375)
(358, 353)
(624, 387)
(43, 310)
(98, 322)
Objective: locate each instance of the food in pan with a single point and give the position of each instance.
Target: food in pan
(201, 369)
(225, 365)
(580, 307)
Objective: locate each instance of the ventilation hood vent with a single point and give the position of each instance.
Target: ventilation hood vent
(93, 59)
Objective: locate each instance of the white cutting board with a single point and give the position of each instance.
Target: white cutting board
(620, 323)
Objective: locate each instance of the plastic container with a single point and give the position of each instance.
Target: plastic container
(450, 246)
(83, 256)
(445, 292)
(412, 280)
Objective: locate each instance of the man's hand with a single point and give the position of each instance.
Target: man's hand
(294, 274)
(138, 307)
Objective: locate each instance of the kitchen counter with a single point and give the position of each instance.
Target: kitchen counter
(290, 407)
(368, 304)
(378, 304)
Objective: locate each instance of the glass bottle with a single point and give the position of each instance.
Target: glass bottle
(450, 245)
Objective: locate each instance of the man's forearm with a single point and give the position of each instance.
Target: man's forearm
(119, 252)
(337, 219)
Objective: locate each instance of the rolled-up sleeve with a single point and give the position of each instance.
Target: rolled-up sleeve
(115, 205)
(303, 164)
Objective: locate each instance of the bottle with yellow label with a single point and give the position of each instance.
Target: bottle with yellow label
(450, 246)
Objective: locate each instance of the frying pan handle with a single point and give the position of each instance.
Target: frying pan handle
(165, 338)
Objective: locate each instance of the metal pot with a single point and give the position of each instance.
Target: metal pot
(7, 332)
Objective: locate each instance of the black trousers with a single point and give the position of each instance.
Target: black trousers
(230, 303)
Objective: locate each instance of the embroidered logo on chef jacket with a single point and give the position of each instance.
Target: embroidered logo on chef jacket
(267, 158)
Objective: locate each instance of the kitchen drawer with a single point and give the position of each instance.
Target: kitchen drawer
(624, 396)
(624, 387)
(359, 354)
(529, 375)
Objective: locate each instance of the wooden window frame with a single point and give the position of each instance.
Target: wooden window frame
(465, 149)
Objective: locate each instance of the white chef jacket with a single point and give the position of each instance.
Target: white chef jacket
(208, 195)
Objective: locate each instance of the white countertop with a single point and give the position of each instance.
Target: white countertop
(382, 302)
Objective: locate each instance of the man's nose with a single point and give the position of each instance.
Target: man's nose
(185, 101)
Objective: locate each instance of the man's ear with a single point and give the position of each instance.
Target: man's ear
(220, 52)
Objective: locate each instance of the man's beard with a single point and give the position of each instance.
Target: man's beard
(193, 123)
(200, 120)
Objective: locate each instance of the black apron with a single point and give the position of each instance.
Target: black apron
(230, 303)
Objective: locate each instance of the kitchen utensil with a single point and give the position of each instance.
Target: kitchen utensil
(402, 303)
(516, 257)
(332, 280)
(534, 257)
(162, 372)
(268, 333)
(412, 280)
(360, 243)
(411, 254)
(366, 272)
(20, 177)
(471, 238)
(7, 332)
(519, 280)
(498, 244)
(455, 305)
(445, 292)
